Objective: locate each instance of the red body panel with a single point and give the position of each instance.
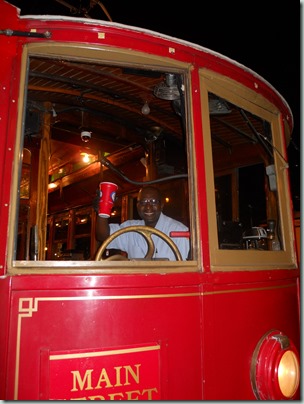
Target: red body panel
(55, 314)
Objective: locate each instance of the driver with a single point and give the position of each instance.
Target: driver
(150, 204)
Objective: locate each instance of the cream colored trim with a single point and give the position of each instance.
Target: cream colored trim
(104, 54)
(106, 267)
(14, 197)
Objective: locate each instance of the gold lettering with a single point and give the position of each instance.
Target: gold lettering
(130, 395)
(146, 394)
(117, 370)
(129, 370)
(77, 381)
(103, 377)
(149, 391)
(96, 398)
(113, 395)
(89, 398)
(77, 399)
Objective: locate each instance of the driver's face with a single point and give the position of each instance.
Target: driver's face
(149, 205)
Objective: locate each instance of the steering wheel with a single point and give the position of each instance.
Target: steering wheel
(146, 232)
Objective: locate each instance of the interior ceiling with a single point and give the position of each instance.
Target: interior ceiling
(107, 102)
(104, 100)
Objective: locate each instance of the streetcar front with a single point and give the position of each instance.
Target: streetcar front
(87, 102)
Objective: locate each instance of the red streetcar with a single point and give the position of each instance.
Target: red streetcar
(85, 101)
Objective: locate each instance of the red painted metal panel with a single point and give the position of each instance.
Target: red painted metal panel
(9, 91)
(85, 320)
(239, 320)
(231, 323)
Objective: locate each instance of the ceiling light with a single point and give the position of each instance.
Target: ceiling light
(218, 107)
(167, 90)
(86, 158)
(85, 136)
(145, 109)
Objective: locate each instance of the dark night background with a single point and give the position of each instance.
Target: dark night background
(263, 37)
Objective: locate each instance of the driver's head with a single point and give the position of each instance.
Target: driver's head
(149, 205)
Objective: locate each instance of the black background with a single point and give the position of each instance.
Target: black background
(263, 36)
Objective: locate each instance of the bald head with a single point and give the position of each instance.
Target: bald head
(149, 192)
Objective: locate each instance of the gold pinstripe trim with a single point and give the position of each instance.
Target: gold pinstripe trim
(219, 292)
(29, 305)
(104, 353)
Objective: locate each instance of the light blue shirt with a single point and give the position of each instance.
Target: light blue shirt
(135, 245)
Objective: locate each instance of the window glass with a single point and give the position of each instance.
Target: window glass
(244, 175)
(250, 184)
(88, 122)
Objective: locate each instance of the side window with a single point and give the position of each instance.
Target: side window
(247, 186)
(245, 181)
